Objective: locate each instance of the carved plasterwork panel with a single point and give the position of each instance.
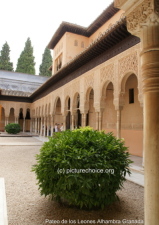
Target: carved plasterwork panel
(128, 64)
(67, 91)
(143, 15)
(76, 86)
(157, 7)
(119, 3)
(107, 73)
(89, 81)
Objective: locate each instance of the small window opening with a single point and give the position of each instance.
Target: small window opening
(82, 44)
(131, 96)
(75, 43)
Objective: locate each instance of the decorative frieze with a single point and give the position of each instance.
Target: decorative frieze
(67, 90)
(157, 7)
(119, 3)
(76, 86)
(107, 73)
(89, 81)
(143, 15)
(128, 64)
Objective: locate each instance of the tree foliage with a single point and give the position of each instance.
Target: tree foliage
(46, 63)
(26, 60)
(82, 167)
(5, 63)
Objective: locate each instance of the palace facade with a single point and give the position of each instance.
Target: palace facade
(96, 81)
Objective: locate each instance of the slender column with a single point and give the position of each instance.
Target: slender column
(24, 125)
(31, 125)
(48, 125)
(118, 124)
(6, 120)
(38, 125)
(44, 126)
(52, 125)
(97, 120)
(100, 120)
(35, 125)
(41, 130)
(84, 119)
(73, 121)
(64, 122)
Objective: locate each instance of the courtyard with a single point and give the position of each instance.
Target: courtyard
(26, 206)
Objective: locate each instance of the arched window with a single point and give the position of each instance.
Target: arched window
(82, 44)
(75, 43)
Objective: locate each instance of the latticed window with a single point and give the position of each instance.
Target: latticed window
(58, 63)
(82, 44)
(75, 43)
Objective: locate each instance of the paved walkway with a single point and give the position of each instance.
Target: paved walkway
(3, 207)
(137, 172)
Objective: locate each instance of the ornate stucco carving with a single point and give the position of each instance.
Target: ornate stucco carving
(144, 14)
(76, 86)
(107, 73)
(89, 81)
(67, 91)
(128, 64)
(119, 3)
(157, 7)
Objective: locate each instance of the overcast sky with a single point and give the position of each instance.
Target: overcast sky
(39, 19)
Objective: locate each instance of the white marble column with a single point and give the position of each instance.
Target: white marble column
(23, 125)
(118, 124)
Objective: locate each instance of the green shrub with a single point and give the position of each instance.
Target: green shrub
(12, 128)
(82, 149)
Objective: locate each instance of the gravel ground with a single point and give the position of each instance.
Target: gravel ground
(26, 207)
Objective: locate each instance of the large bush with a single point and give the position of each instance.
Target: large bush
(12, 128)
(61, 158)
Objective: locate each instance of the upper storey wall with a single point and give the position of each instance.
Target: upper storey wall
(59, 52)
(67, 48)
(75, 44)
(71, 45)
(106, 26)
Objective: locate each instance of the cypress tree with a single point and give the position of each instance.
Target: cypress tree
(5, 63)
(46, 63)
(26, 60)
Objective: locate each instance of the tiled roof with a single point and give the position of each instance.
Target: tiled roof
(85, 31)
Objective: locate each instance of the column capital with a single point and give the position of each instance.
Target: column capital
(119, 102)
(139, 13)
(119, 3)
(84, 111)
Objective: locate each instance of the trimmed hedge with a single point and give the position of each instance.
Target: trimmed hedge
(61, 158)
(12, 128)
